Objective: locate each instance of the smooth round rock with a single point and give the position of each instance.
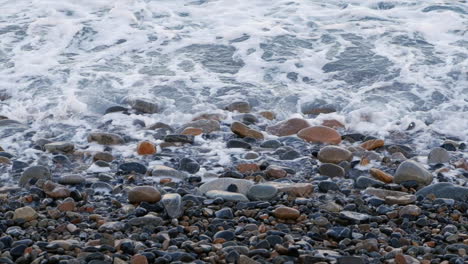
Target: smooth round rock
(34, 172)
(320, 134)
(72, 179)
(334, 154)
(411, 170)
(27, 213)
(144, 194)
(288, 127)
(262, 192)
(331, 170)
(438, 155)
(286, 213)
(242, 130)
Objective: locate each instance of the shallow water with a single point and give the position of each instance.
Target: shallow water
(383, 64)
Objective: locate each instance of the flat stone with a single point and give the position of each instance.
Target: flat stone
(331, 170)
(34, 172)
(320, 134)
(172, 202)
(27, 213)
(373, 144)
(334, 154)
(179, 138)
(363, 182)
(222, 184)
(145, 220)
(445, 190)
(192, 131)
(105, 138)
(411, 210)
(262, 192)
(236, 143)
(64, 147)
(288, 127)
(206, 125)
(144, 194)
(227, 196)
(358, 217)
(132, 167)
(268, 115)
(275, 172)
(286, 213)
(244, 131)
(72, 179)
(438, 155)
(410, 170)
(165, 171)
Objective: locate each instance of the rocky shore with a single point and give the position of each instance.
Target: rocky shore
(232, 186)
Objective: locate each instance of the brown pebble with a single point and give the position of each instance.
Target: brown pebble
(248, 168)
(245, 131)
(332, 123)
(192, 131)
(286, 213)
(380, 175)
(373, 144)
(139, 259)
(268, 115)
(146, 148)
(320, 134)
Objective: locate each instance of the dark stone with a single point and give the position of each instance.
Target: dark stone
(290, 155)
(325, 186)
(114, 109)
(225, 234)
(189, 165)
(225, 213)
(351, 260)
(272, 143)
(131, 167)
(237, 143)
(331, 170)
(176, 138)
(18, 251)
(363, 182)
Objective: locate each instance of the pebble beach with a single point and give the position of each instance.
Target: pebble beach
(290, 192)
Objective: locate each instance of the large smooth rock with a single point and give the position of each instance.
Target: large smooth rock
(244, 131)
(334, 154)
(222, 184)
(105, 138)
(445, 190)
(438, 155)
(411, 170)
(27, 213)
(172, 202)
(227, 196)
(320, 134)
(262, 192)
(132, 167)
(34, 172)
(288, 127)
(144, 194)
(317, 107)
